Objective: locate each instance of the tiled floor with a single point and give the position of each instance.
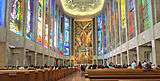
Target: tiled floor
(75, 77)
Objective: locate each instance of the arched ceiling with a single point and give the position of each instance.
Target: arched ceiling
(82, 8)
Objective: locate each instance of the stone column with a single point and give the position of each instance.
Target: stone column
(114, 59)
(2, 54)
(43, 59)
(124, 58)
(138, 58)
(121, 56)
(118, 59)
(128, 57)
(156, 52)
(35, 60)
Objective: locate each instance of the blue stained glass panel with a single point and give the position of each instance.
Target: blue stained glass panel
(2, 12)
(30, 12)
(66, 36)
(99, 21)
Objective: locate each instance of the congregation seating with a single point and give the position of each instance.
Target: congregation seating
(123, 74)
(35, 75)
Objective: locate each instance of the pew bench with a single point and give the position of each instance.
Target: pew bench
(122, 74)
(35, 75)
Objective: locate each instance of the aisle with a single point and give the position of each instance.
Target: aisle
(75, 77)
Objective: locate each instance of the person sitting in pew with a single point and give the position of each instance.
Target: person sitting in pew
(94, 66)
(111, 65)
(133, 65)
(106, 66)
(129, 66)
(101, 67)
(139, 66)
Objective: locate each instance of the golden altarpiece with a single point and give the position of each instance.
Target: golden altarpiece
(82, 42)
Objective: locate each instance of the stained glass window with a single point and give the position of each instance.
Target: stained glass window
(116, 23)
(30, 13)
(112, 26)
(104, 32)
(16, 17)
(40, 17)
(56, 25)
(108, 24)
(47, 20)
(51, 33)
(51, 39)
(60, 32)
(123, 20)
(66, 36)
(145, 14)
(2, 12)
(46, 36)
(99, 21)
(55, 33)
(52, 7)
(157, 10)
(131, 18)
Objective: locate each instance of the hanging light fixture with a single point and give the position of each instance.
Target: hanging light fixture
(82, 7)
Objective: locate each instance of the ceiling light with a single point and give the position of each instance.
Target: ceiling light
(82, 7)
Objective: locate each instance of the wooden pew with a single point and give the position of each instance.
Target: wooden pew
(4, 77)
(34, 75)
(123, 74)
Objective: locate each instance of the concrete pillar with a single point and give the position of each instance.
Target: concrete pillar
(138, 58)
(94, 61)
(128, 57)
(2, 54)
(109, 60)
(43, 59)
(103, 61)
(24, 60)
(52, 61)
(114, 59)
(119, 59)
(124, 58)
(70, 62)
(156, 52)
(35, 60)
(39, 59)
(121, 56)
